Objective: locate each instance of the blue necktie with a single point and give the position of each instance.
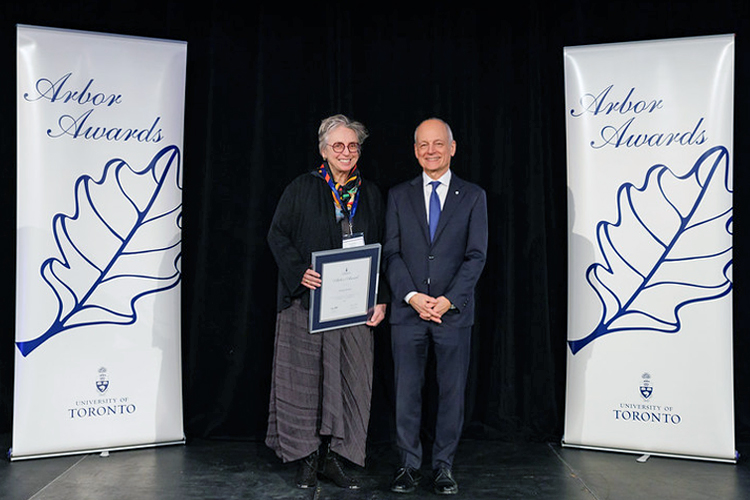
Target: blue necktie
(434, 209)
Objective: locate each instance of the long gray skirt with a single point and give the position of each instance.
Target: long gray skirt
(321, 385)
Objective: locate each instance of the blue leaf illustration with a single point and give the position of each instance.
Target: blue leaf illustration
(122, 244)
(670, 247)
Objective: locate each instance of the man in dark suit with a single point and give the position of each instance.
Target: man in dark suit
(434, 251)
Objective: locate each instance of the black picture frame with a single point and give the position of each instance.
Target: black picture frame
(320, 259)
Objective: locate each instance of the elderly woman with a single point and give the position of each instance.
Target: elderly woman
(322, 383)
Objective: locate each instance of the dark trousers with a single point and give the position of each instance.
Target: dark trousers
(410, 347)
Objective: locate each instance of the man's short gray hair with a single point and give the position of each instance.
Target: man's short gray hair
(447, 127)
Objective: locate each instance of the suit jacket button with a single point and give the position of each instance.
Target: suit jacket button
(430, 257)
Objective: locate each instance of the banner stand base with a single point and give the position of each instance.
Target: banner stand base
(650, 453)
(13, 458)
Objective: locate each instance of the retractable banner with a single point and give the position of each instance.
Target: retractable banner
(649, 140)
(99, 206)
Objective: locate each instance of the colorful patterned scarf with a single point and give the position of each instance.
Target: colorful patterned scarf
(346, 195)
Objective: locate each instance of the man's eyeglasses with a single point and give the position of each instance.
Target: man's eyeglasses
(338, 147)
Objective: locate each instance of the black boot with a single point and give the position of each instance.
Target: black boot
(307, 472)
(333, 469)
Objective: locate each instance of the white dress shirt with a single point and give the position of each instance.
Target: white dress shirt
(442, 190)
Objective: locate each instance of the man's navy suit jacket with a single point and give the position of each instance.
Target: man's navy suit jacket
(450, 265)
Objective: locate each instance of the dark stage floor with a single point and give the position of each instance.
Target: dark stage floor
(484, 469)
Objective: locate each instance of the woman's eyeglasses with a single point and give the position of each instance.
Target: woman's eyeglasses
(338, 147)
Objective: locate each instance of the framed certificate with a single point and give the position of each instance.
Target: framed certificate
(349, 287)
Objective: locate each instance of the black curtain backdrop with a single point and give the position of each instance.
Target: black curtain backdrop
(260, 79)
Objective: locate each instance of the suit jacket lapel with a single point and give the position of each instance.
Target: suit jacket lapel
(416, 199)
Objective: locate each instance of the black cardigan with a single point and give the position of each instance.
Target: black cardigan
(305, 222)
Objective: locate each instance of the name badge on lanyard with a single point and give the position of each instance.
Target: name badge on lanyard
(353, 240)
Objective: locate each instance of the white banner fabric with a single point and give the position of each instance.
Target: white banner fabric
(99, 206)
(649, 143)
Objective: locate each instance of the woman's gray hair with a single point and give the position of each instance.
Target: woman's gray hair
(332, 122)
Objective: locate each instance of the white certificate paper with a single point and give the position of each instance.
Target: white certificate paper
(345, 289)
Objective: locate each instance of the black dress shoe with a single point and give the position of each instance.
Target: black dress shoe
(406, 480)
(333, 469)
(444, 482)
(307, 471)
